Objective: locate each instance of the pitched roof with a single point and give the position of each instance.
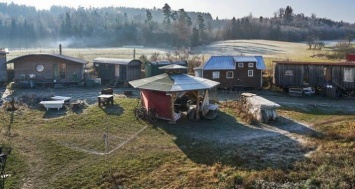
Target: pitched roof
(113, 61)
(316, 63)
(173, 83)
(229, 62)
(219, 63)
(172, 67)
(73, 59)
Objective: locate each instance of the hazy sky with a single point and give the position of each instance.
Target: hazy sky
(333, 9)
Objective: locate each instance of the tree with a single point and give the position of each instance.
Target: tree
(167, 13)
(289, 13)
(149, 16)
(195, 39)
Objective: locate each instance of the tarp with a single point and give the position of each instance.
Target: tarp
(159, 101)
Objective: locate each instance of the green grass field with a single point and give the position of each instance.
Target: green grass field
(66, 149)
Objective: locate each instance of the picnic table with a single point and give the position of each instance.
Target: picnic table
(105, 99)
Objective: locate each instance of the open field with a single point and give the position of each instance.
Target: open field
(311, 144)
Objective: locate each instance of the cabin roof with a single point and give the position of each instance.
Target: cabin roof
(229, 62)
(316, 63)
(113, 61)
(173, 83)
(73, 59)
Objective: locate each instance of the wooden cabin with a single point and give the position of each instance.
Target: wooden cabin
(48, 69)
(3, 67)
(122, 70)
(233, 72)
(314, 74)
(152, 68)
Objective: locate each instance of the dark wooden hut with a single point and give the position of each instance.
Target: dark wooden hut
(48, 69)
(122, 70)
(3, 67)
(314, 74)
(233, 72)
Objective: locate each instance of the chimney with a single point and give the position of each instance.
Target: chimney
(134, 54)
(60, 49)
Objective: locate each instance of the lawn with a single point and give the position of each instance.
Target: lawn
(68, 149)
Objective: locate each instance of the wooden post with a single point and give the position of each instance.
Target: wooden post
(172, 102)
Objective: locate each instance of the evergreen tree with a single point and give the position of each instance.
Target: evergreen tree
(167, 13)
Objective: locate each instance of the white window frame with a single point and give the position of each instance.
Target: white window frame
(250, 73)
(240, 65)
(250, 65)
(289, 73)
(230, 76)
(215, 75)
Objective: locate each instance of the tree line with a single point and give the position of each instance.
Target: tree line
(26, 27)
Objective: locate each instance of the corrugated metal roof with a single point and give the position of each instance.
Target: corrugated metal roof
(113, 61)
(73, 59)
(260, 64)
(316, 63)
(173, 83)
(244, 59)
(167, 62)
(219, 63)
(172, 67)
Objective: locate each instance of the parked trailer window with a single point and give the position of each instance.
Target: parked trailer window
(348, 74)
(289, 72)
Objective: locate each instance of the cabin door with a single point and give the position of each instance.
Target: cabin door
(123, 72)
(117, 71)
(328, 73)
(59, 71)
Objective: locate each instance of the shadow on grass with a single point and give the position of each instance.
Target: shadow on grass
(113, 110)
(225, 141)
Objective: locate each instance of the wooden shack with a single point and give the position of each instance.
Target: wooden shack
(233, 71)
(340, 75)
(3, 67)
(122, 70)
(48, 69)
(152, 68)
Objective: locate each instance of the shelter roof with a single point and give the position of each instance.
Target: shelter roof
(172, 67)
(173, 83)
(73, 59)
(316, 63)
(113, 61)
(167, 62)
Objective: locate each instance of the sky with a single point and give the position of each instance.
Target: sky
(337, 10)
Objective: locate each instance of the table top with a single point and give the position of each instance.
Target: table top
(105, 96)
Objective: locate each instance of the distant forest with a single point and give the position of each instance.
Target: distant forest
(26, 27)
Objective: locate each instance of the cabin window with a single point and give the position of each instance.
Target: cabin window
(250, 73)
(289, 72)
(250, 65)
(240, 65)
(229, 74)
(348, 75)
(215, 75)
(39, 68)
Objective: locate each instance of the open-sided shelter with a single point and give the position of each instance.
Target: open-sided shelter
(165, 93)
(48, 69)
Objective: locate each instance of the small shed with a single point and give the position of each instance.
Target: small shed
(152, 68)
(117, 69)
(48, 69)
(233, 71)
(171, 94)
(260, 108)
